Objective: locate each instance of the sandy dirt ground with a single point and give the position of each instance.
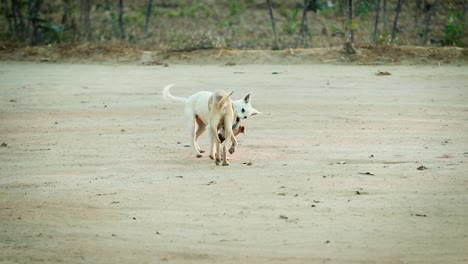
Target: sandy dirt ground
(95, 168)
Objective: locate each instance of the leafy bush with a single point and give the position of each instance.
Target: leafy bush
(363, 8)
(53, 33)
(453, 32)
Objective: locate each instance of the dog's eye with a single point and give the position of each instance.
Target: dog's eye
(243, 110)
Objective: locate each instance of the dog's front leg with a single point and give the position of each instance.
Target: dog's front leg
(234, 144)
(229, 134)
(218, 147)
(225, 159)
(212, 143)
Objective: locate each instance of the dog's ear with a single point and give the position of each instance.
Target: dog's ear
(247, 98)
(255, 111)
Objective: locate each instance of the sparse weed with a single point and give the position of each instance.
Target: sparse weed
(180, 42)
(292, 25)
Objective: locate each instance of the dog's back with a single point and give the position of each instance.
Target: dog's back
(219, 99)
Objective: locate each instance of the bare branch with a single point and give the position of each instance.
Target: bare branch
(273, 25)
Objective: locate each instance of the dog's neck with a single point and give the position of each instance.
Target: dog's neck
(234, 125)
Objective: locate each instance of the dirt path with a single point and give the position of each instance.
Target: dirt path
(94, 167)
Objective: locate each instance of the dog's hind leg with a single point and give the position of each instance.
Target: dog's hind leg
(214, 144)
(201, 127)
(193, 137)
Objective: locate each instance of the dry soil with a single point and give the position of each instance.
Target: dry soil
(95, 168)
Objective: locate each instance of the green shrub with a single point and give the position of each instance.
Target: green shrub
(453, 31)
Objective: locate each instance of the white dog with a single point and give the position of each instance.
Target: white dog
(196, 108)
(221, 121)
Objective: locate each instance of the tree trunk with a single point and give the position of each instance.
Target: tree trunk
(395, 21)
(428, 19)
(148, 15)
(14, 18)
(417, 8)
(18, 21)
(304, 30)
(81, 11)
(85, 17)
(376, 23)
(29, 20)
(66, 13)
(384, 15)
(36, 36)
(273, 25)
(350, 21)
(9, 17)
(465, 7)
(33, 17)
(68, 19)
(121, 25)
(241, 18)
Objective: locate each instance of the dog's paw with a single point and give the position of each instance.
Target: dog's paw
(225, 164)
(232, 150)
(202, 151)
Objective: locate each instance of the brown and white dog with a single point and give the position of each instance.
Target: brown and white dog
(237, 128)
(221, 115)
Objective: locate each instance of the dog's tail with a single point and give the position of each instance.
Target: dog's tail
(169, 97)
(223, 100)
